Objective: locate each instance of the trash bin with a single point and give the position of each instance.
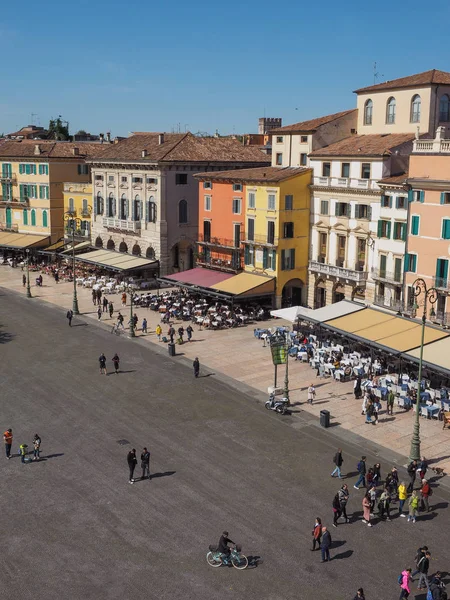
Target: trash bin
(171, 349)
(325, 418)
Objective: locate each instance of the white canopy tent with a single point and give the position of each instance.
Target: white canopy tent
(320, 315)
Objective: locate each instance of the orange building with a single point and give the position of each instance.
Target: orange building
(428, 243)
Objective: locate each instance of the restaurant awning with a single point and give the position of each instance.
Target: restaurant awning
(9, 239)
(199, 277)
(319, 315)
(246, 285)
(77, 248)
(116, 261)
(434, 354)
(59, 245)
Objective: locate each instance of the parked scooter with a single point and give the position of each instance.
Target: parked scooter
(279, 405)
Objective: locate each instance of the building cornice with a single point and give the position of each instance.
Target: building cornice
(419, 183)
(344, 191)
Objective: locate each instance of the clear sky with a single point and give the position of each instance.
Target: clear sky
(205, 65)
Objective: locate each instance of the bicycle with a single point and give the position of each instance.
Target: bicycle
(214, 558)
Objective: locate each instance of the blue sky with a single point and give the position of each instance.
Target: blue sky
(135, 66)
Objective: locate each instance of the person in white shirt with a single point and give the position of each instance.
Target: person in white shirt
(311, 393)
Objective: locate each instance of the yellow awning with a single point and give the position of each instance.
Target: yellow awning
(54, 247)
(363, 319)
(436, 353)
(115, 260)
(10, 239)
(246, 284)
(411, 339)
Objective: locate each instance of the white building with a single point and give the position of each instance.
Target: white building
(145, 197)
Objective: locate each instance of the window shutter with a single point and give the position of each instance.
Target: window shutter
(380, 228)
(4, 191)
(447, 229)
(388, 233)
(265, 258)
(369, 213)
(349, 210)
(403, 236)
(336, 209)
(283, 259)
(25, 217)
(410, 195)
(421, 196)
(445, 272)
(406, 263)
(127, 209)
(414, 262)
(293, 259)
(274, 259)
(246, 255)
(390, 201)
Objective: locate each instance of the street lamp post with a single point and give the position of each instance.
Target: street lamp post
(286, 373)
(28, 274)
(132, 334)
(72, 221)
(430, 295)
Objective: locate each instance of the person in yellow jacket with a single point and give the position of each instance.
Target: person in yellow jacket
(158, 332)
(402, 496)
(23, 449)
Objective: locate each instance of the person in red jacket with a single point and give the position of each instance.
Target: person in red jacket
(317, 534)
(425, 492)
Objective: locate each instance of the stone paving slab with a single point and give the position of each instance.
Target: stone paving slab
(236, 353)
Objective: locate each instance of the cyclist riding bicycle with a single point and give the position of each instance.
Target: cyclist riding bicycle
(223, 544)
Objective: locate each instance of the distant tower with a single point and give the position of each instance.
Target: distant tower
(265, 124)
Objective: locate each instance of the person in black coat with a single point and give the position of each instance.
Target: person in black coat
(360, 595)
(338, 460)
(196, 365)
(325, 544)
(132, 462)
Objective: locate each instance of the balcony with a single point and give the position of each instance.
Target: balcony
(262, 240)
(14, 202)
(441, 283)
(220, 264)
(391, 304)
(437, 146)
(389, 277)
(339, 272)
(8, 178)
(121, 225)
(8, 227)
(347, 182)
(217, 242)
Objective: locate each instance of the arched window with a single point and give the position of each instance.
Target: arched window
(136, 250)
(137, 208)
(110, 245)
(44, 219)
(111, 205)
(150, 253)
(151, 210)
(33, 217)
(444, 109)
(25, 217)
(390, 110)
(99, 204)
(123, 247)
(98, 242)
(71, 205)
(416, 103)
(182, 211)
(368, 109)
(123, 208)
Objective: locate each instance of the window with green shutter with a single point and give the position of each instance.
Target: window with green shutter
(265, 257)
(383, 260)
(441, 272)
(25, 217)
(410, 262)
(247, 255)
(6, 170)
(415, 220)
(445, 197)
(446, 229)
(274, 259)
(43, 169)
(44, 219)
(397, 269)
(384, 229)
(33, 218)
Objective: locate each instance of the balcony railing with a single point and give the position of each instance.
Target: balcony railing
(262, 240)
(441, 283)
(219, 264)
(7, 201)
(111, 223)
(432, 146)
(347, 182)
(210, 240)
(383, 275)
(8, 227)
(443, 318)
(396, 305)
(340, 272)
(8, 178)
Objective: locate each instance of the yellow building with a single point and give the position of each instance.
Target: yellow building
(276, 242)
(78, 201)
(33, 173)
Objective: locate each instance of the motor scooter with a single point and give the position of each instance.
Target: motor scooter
(279, 405)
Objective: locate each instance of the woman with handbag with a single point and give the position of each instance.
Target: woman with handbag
(317, 534)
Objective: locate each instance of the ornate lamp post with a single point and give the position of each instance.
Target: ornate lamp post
(429, 295)
(132, 333)
(28, 274)
(73, 222)
(286, 373)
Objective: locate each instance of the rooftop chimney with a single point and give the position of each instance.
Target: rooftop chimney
(108, 137)
(161, 139)
(102, 137)
(75, 151)
(37, 149)
(144, 153)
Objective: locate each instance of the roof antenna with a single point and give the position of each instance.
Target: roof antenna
(376, 74)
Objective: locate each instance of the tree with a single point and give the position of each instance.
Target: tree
(58, 129)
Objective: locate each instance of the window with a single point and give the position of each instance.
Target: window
(183, 211)
(397, 269)
(43, 169)
(444, 108)
(288, 202)
(445, 197)
(269, 259)
(365, 171)
(417, 196)
(416, 103)
(322, 247)
(304, 139)
(326, 169)
(271, 232)
(207, 202)
(71, 205)
(383, 260)
(236, 206)
(151, 210)
(288, 230)
(362, 211)
(181, 179)
(43, 192)
(441, 272)
(237, 235)
(288, 259)
(136, 208)
(279, 139)
(206, 231)
(251, 199)
(124, 179)
(324, 207)
(446, 229)
(361, 254)
(99, 178)
(384, 229)
(399, 231)
(345, 170)
(410, 262)
(237, 187)
(390, 111)
(152, 181)
(386, 201)
(7, 169)
(136, 180)
(401, 202)
(123, 208)
(342, 209)
(99, 204)
(33, 218)
(368, 110)
(84, 210)
(84, 170)
(303, 159)
(271, 202)
(25, 217)
(207, 185)
(27, 169)
(279, 159)
(251, 230)
(415, 220)
(110, 177)
(44, 219)
(341, 244)
(111, 205)
(249, 256)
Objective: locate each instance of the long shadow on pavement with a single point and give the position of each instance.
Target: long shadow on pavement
(164, 474)
(345, 554)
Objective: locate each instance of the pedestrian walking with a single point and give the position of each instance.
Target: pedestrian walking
(344, 496)
(36, 446)
(116, 361)
(357, 388)
(94, 297)
(402, 497)
(336, 509)
(373, 499)
(135, 321)
(384, 504)
(99, 296)
(338, 460)
(69, 316)
(423, 466)
(376, 474)
(120, 320)
(317, 534)
(132, 462)
(437, 587)
(359, 595)
(111, 309)
(105, 304)
(124, 299)
(311, 393)
(392, 482)
(8, 439)
(181, 334)
(24, 280)
(376, 410)
(423, 565)
(412, 471)
(366, 509)
(196, 365)
(99, 312)
(361, 467)
(171, 333)
(364, 403)
(413, 504)
(325, 544)
(404, 585)
(56, 276)
(145, 463)
(144, 325)
(23, 450)
(425, 493)
(158, 332)
(419, 554)
(102, 362)
(369, 412)
(189, 332)
(390, 403)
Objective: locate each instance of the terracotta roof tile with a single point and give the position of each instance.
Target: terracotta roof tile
(433, 77)
(365, 145)
(182, 147)
(48, 149)
(311, 125)
(258, 174)
(399, 179)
